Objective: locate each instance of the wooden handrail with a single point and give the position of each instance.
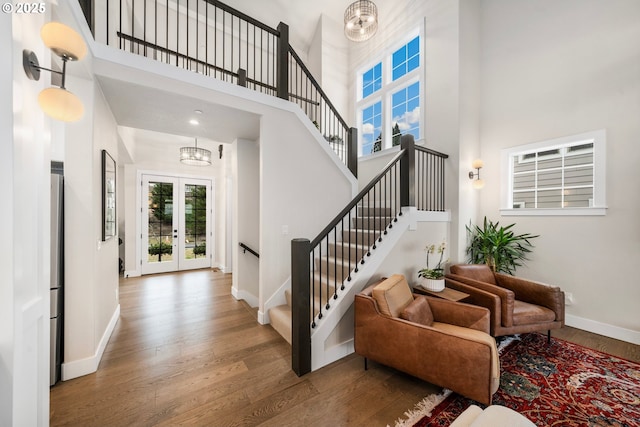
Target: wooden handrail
(251, 251)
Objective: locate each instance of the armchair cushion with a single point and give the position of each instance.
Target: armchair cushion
(527, 314)
(392, 295)
(418, 311)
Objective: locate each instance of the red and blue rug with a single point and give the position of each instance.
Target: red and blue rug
(557, 384)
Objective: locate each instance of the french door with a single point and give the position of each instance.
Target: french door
(176, 223)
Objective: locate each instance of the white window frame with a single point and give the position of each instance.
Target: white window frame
(388, 88)
(599, 206)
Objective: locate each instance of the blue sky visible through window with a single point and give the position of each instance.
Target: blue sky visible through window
(372, 80)
(405, 59)
(371, 126)
(405, 110)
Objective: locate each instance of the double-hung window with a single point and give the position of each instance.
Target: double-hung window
(563, 176)
(389, 97)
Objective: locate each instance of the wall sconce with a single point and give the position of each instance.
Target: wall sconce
(477, 165)
(57, 102)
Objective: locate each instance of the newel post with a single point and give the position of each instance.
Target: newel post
(300, 311)
(242, 77)
(282, 62)
(352, 151)
(407, 171)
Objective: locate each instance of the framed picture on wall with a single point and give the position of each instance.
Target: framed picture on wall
(109, 218)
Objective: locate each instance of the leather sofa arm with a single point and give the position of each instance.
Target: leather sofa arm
(460, 314)
(534, 292)
(506, 297)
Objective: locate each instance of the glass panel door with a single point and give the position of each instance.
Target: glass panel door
(176, 224)
(160, 225)
(195, 224)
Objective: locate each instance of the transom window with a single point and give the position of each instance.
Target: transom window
(388, 104)
(406, 59)
(372, 80)
(560, 176)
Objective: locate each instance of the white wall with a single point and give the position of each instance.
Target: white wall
(469, 148)
(335, 65)
(246, 221)
(551, 69)
(301, 190)
(91, 266)
(24, 248)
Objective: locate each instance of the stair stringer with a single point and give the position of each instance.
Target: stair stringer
(276, 299)
(408, 221)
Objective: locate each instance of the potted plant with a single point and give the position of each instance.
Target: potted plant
(433, 278)
(498, 247)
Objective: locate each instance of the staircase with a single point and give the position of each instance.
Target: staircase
(334, 268)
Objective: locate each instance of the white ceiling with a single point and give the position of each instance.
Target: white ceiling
(156, 110)
(300, 15)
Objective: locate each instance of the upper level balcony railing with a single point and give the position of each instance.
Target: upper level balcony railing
(214, 39)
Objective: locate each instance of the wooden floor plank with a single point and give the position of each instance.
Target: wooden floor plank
(185, 352)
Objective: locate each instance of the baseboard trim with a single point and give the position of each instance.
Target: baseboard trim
(605, 329)
(263, 318)
(251, 299)
(89, 365)
(131, 273)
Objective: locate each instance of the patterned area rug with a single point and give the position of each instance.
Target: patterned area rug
(561, 384)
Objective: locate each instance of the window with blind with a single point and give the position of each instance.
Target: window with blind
(560, 176)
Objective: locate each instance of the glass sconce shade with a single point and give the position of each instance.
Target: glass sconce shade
(478, 184)
(63, 41)
(61, 104)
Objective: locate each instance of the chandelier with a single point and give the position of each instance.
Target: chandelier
(360, 20)
(195, 156)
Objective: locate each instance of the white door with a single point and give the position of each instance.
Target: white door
(176, 223)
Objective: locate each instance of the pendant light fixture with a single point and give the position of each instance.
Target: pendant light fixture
(361, 20)
(57, 102)
(195, 156)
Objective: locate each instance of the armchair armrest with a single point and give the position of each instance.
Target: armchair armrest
(460, 314)
(505, 297)
(534, 292)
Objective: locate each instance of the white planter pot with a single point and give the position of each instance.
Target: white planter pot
(434, 285)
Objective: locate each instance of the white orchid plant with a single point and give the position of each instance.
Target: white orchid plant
(438, 271)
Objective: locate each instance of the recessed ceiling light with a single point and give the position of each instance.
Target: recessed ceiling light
(194, 122)
(197, 111)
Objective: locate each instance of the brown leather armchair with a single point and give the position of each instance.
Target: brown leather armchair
(453, 351)
(516, 305)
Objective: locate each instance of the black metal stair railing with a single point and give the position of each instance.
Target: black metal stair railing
(214, 39)
(321, 267)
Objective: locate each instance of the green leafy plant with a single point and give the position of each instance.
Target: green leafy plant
(160, 248)
(498, 247)
(200, 249)
(396, 135)
(438, 271)
(377, 144)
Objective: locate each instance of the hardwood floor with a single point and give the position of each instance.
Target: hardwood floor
(185, 352)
